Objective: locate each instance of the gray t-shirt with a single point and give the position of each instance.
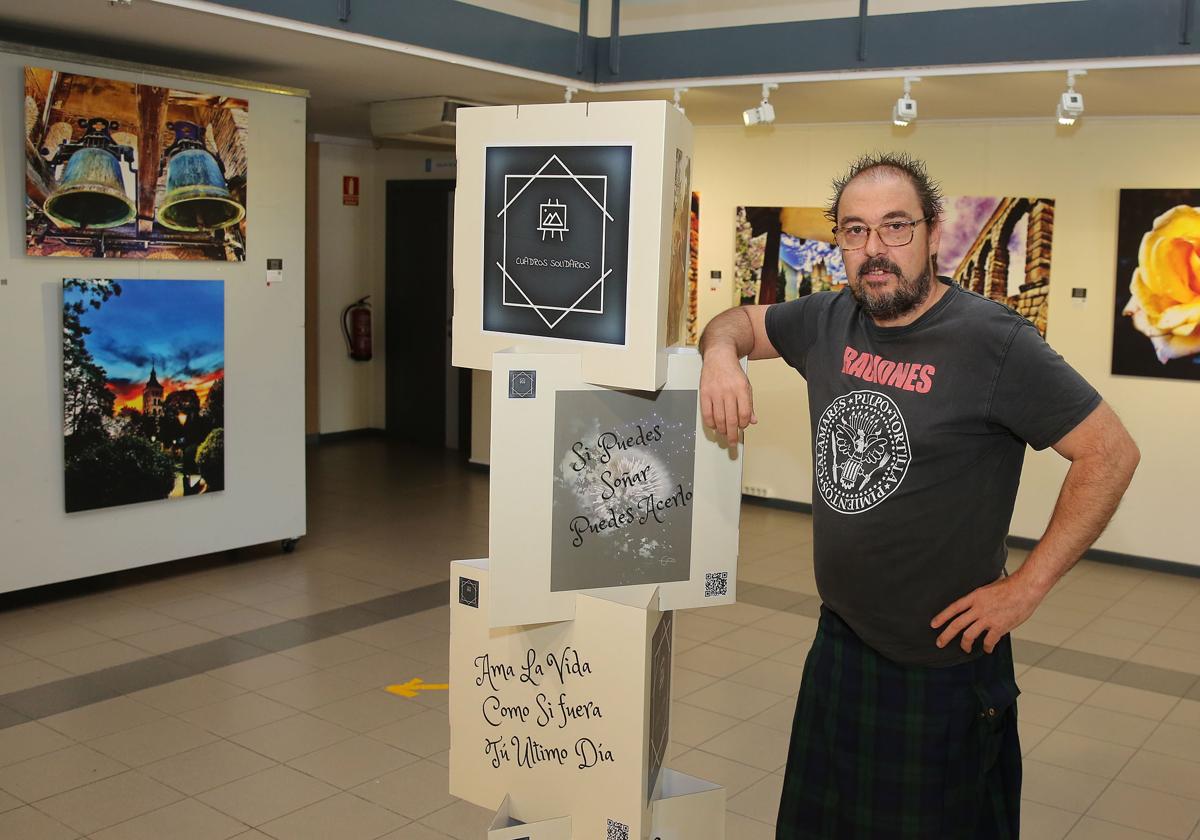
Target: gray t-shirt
(919, 434)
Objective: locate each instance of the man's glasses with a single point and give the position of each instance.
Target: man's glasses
(893, 234)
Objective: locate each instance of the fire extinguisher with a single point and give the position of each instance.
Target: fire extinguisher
(356, 327)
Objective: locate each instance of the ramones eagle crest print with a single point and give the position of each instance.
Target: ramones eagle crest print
(861, 451)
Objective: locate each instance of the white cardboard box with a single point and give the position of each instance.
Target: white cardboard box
(598, 490)
(568, 225)
(558, 720)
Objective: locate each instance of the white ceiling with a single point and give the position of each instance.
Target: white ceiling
(344, 77)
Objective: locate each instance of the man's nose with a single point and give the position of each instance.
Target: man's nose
(874, 246)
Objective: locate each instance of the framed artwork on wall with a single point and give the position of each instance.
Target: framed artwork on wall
(118, 169)
(1156, 314)
(782, 253)
(997, 246)
(143, 390)
(693, 303)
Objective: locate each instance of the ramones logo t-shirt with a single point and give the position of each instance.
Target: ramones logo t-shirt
(919, 435)
(861, 453)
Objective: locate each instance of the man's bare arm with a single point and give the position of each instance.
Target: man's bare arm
(1103, 458)
(726, 399)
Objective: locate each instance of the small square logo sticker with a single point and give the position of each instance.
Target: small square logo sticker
(468, 592)
(522, 384)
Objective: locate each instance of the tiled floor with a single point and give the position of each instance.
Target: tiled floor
(242, 696)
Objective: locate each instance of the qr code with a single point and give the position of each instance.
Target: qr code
(617, 831)
(716, 584)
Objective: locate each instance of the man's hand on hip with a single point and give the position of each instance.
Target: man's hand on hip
(726, 399)
(990, 611)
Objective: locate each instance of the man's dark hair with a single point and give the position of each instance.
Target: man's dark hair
(929, 192)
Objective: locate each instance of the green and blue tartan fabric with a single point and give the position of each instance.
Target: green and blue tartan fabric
(884, 751)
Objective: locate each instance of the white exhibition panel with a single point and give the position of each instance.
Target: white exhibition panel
(535, 560)
(654, 143)
(264, 498)
(554, 720)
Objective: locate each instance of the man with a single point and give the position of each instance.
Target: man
(922, 398)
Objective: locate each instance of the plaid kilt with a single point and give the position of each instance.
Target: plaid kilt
(881, 750)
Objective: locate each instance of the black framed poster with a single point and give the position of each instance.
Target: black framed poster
(556, 241)
(1156, 314)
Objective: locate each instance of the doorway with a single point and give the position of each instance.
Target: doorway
(428, 401)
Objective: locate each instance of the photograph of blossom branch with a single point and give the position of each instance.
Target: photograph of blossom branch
(143, 390)
(1156, 328)
(782, 253)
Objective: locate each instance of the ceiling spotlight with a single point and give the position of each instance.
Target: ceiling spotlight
(1070, 105)
(764, 112)
(905, 109)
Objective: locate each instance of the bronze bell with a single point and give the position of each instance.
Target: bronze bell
(197, 198)
(91, 192)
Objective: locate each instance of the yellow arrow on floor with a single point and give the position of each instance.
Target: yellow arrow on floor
(415, 686)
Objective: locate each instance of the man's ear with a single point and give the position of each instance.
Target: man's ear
(935, 235)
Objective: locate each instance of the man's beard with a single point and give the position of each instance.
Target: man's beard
(888, 306)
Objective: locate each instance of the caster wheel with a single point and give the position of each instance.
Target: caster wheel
(289, 545)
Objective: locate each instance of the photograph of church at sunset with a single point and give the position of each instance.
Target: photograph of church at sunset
(143, 390)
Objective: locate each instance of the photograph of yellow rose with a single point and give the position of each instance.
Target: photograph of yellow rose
(1157, 331)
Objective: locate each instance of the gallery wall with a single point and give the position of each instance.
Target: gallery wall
(264, 498)
(1082, 169)
(352, 264)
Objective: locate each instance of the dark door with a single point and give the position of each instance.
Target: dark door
(418, 277)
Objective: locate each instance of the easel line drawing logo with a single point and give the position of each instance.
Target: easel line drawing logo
(552, 223)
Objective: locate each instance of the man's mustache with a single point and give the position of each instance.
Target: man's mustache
(878, 264)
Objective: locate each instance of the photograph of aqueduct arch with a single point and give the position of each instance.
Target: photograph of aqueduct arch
(1000, 248)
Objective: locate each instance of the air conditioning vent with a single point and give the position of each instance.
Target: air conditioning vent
(429, 119)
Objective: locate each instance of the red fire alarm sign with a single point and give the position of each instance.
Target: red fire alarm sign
(350, 190)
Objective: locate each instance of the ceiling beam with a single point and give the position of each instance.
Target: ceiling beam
(1087, 33)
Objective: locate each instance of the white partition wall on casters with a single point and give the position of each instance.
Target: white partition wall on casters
(263, 499)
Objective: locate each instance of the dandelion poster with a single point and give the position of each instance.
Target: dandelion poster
(1156, 329)
(782, 253)
(622, 502)
(143, 390)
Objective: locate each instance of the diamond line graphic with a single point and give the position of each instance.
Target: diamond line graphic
(601, 204)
